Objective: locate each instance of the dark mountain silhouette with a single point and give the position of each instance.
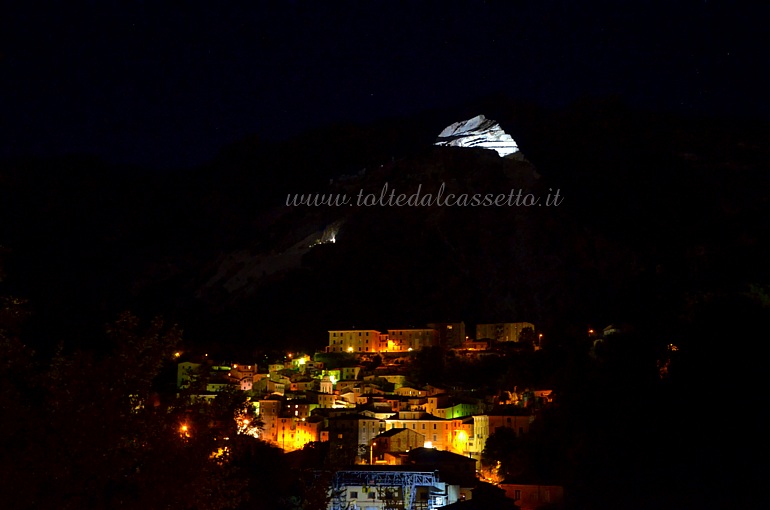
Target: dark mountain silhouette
(657, 212)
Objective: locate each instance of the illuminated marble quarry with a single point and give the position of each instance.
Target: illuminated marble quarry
(478, 132)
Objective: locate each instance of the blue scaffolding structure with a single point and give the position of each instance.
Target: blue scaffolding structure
(408, 481)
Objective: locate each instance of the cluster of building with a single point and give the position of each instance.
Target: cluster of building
(448, 334)
(392, 424)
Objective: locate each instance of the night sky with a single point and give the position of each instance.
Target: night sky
(169, 84)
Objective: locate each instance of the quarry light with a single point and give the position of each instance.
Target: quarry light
(478, 132)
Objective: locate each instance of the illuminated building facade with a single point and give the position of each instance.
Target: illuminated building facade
(439, 433)
(356, 341)
(396, 441)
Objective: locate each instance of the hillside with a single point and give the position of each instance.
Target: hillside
(657, 213)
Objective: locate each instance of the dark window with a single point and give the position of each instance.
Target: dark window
(353, 494)
(372, 495)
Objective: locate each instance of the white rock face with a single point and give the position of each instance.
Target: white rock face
(478, 132)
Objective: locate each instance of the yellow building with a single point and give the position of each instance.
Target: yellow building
(439, 433)
(355, 341)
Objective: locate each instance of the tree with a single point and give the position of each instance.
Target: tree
(528, 338)
(499, 453)
(87, 430)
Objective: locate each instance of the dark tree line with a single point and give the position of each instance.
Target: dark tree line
(83, 429)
